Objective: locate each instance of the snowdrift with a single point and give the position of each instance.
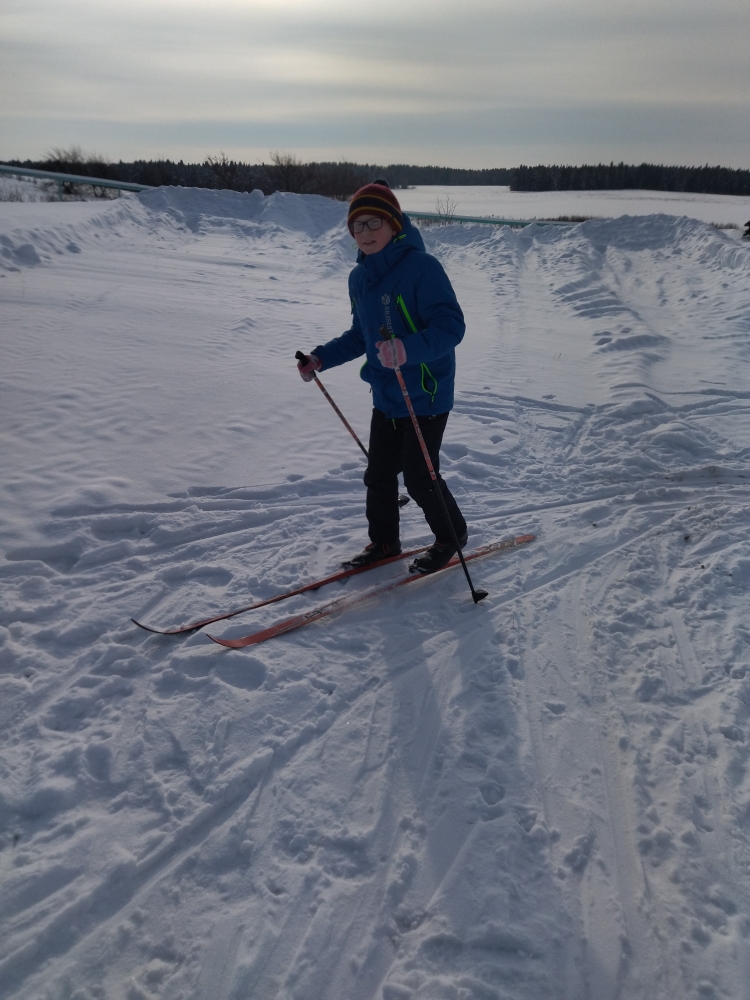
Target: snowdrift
(543, 795)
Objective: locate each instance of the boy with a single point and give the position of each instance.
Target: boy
(405, 313)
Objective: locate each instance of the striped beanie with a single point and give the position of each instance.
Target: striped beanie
(376, 199)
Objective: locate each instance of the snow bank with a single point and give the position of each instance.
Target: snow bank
(543, 795)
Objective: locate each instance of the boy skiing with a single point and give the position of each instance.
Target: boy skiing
(404, 315)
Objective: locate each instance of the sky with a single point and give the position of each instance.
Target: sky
(465, 83)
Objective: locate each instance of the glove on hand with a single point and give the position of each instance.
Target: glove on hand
(307, 371)
(391, 353)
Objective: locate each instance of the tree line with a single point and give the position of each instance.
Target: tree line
(621, 176)
(285, 172)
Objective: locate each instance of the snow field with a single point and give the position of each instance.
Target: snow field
(500, 201)
(543, 795)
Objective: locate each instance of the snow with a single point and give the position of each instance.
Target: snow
(422, 799)
(26, 190)
(506, 204)
(17, 188)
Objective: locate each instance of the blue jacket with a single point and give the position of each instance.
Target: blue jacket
(405, 290)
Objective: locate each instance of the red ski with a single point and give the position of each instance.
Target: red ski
(349, 600)
(315, 585)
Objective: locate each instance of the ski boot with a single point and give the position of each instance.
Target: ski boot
(373, 553)
(438, 555)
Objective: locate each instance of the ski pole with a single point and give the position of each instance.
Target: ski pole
(303, 358)
(477, 595)
(403, 499)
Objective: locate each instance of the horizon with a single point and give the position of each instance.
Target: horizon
(86, 157)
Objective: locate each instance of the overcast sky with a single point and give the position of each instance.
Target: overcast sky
(454, 82)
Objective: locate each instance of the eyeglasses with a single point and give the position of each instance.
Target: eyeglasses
(358, 226)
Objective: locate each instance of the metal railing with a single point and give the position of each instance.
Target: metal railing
(51, 175)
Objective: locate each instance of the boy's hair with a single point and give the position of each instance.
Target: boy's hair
(376, 199)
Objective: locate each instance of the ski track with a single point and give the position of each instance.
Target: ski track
(420, 799)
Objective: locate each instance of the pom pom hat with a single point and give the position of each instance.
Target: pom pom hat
(376, 199)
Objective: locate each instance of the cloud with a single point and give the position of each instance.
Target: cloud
(335, 66)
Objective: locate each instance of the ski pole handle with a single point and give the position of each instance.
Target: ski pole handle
(299, 356)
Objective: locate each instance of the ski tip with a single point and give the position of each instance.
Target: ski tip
(219, 642)
(232, 643)
(167, 631)
(146, 628)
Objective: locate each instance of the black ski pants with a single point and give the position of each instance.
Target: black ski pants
(394, 448)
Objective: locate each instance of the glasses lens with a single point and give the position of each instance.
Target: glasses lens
(359, 226)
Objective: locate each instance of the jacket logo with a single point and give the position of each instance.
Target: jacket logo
(385, 299)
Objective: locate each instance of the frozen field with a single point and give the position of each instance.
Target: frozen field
(507, 204)
(546, 795)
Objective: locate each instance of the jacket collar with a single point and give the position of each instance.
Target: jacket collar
(377, 265)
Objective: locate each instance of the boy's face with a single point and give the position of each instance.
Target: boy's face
(373, 240)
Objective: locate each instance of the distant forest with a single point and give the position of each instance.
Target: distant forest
(284, 173)
(340, 180)
(620, 176)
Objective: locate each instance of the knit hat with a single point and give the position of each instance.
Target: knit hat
(376, 199)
